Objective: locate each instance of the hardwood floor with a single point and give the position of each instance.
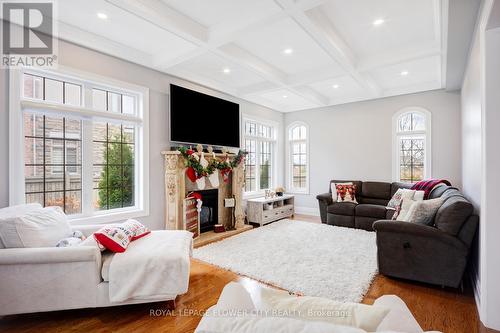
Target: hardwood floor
(446, 310)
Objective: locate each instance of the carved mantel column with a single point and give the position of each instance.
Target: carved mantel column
(173, 191)
(238, 184)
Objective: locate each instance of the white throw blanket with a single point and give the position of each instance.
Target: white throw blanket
(153, 267)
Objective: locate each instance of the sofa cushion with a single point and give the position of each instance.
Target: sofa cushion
(397, 185)
(106, 262)
(439, 190)
(423, 212)
(42, 227)
(368, 210)
(365, 222)
(354, 182)
(453, 213)
(373, 201)
(376, 190)
(342, 208)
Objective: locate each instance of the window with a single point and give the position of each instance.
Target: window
(83, 145)
(298, 158)
(411, 152)
(259, 163)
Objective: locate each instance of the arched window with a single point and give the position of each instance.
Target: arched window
(298, 158)
(412, 152)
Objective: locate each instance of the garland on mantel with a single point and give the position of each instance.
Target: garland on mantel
(195, 170)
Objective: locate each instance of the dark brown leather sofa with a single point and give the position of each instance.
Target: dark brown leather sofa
(372, 200)
(434, 254)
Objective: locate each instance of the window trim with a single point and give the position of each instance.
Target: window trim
(397, 135)
(17, 103)
(274, 159)
(288, 151)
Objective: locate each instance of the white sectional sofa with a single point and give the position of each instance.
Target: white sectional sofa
(59, 278)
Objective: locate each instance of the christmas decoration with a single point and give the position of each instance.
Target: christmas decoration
(198, 167)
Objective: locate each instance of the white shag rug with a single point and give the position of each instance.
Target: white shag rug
(301, 257)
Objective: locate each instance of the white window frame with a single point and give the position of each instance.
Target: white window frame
(88, 81)
(289, 168)
(274, 125)
(398, 135)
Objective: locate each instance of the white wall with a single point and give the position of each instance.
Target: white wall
(354, 141)
(481, 155)
(83, 59)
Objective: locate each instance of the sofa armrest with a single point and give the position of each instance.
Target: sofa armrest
(324, 200)
(420, 253)
(48, 255)
(418, 230)
(325, 197)
(89, 229)
(48, 279)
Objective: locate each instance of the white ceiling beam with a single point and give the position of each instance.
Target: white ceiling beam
(163, 16)
(389, 59)
(317, 25)
(257, 87)
(224, 34)
(102, 44)
(312, 95)
(161, 63)
(158, 13)
(441, 22)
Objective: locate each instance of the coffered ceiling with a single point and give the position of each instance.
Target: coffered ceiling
(284, 54)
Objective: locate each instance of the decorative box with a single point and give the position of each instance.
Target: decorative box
(219, 228)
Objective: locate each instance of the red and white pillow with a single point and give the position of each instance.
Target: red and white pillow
(346, 193)
(117, 238)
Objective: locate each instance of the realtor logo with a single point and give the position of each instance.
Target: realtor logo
(28, 29)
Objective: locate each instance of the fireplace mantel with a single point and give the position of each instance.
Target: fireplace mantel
(177, 185)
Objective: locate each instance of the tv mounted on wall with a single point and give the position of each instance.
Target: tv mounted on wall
(199, 118)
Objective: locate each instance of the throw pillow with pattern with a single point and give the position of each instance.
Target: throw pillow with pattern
(346, 193)
(423, 212)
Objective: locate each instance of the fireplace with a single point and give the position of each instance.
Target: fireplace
(209, 209)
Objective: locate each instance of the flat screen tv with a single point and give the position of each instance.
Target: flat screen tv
(199, 118)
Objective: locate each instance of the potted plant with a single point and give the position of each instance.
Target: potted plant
(280, 191)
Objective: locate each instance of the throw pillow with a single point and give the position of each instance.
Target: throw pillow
(333, 189)
(40, 227)
(423, 212)
(114, 238)
(69, 241)
(404, 193)
(404, 208)
(366, 317)
(346, 193)
(136, 228)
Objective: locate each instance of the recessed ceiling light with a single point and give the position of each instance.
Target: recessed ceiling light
(288, 51)
(285, 96)
(378, 22)
(226, 70)
(102, 16)
(404, 73)
(335, 86)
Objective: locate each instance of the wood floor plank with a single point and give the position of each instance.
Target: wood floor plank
(447, 310)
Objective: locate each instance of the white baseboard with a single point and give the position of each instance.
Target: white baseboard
(307, 211)
(474, 278)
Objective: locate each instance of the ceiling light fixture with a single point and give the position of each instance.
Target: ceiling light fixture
(285, 96)
(226, 70)
(378, 22)
(288, 51)
(335, 86)
(102, 16)
(404, 73)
